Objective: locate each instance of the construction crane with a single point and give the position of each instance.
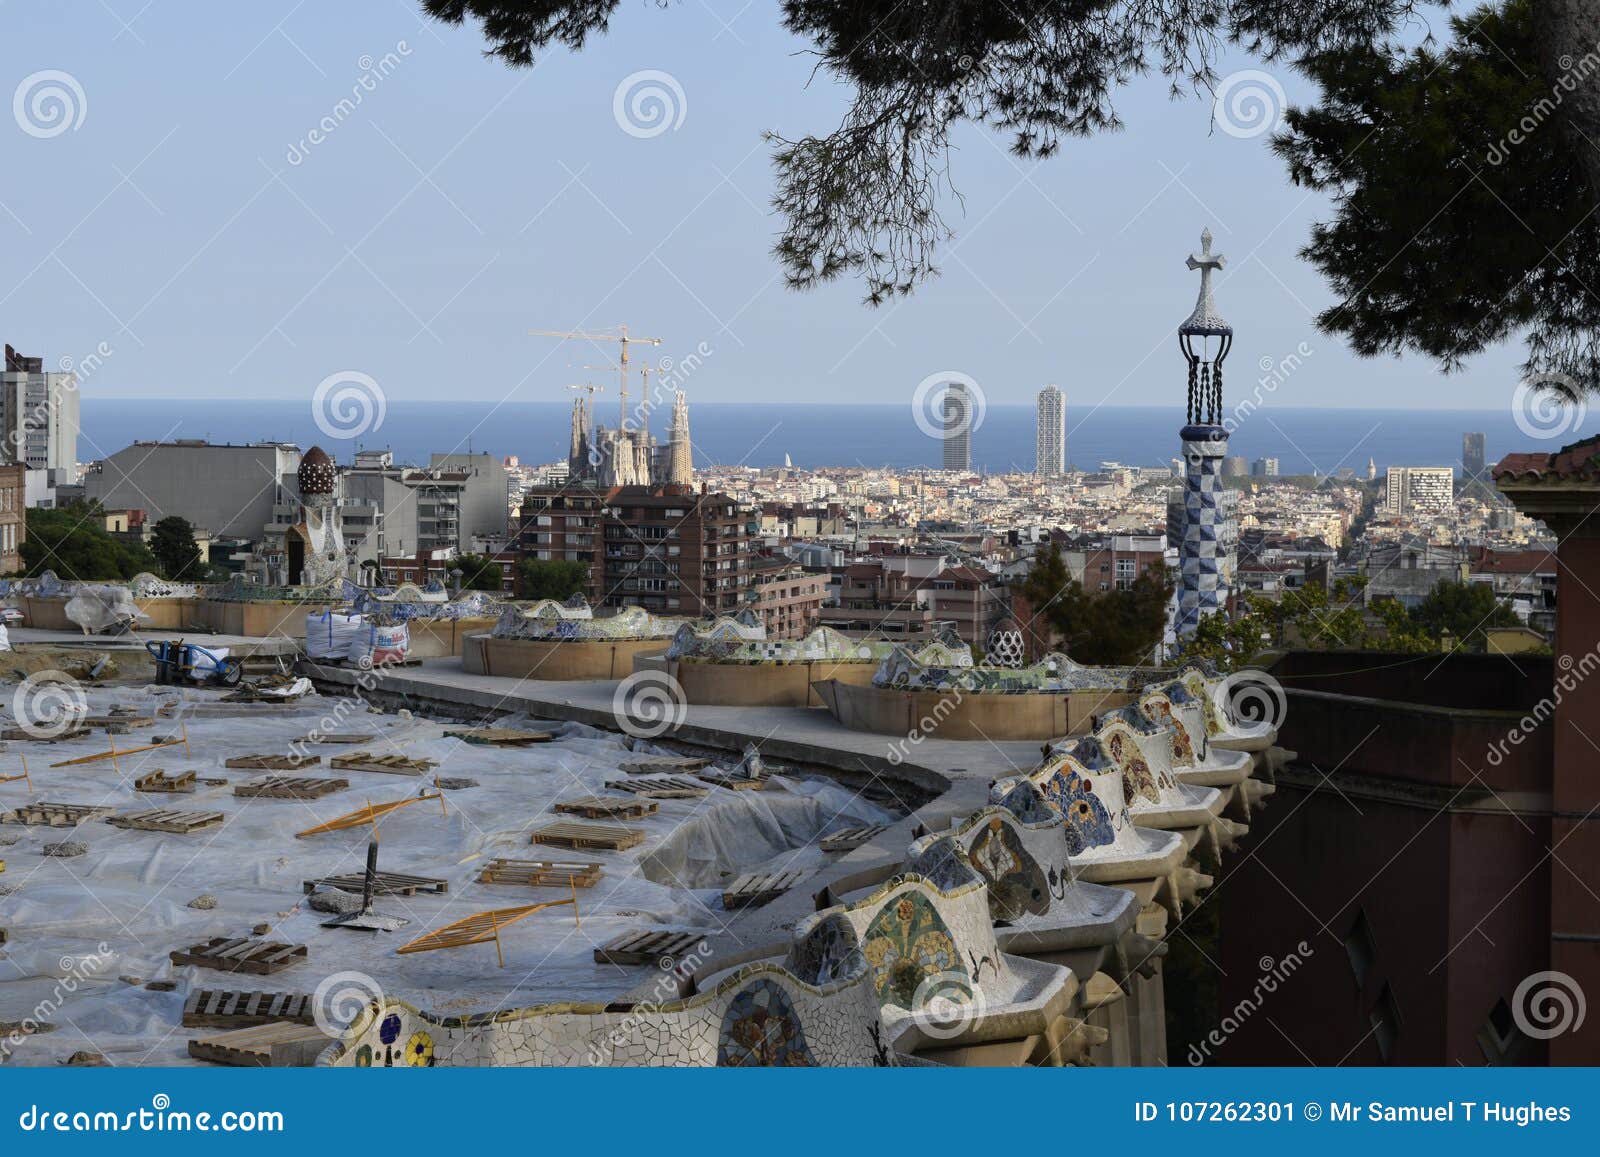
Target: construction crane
(622, 338)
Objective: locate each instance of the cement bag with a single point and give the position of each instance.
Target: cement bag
(202, 668)
(330, 635)
(379, 646)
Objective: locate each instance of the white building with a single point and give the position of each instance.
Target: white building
(1050, 439)
(39, 418)
(1419, 489)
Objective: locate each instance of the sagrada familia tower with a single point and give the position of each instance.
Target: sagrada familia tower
(629, 457)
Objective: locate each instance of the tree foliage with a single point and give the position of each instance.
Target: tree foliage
(72, 541)
(1106, 628)
(172, 542)
(1463, 214)
(479, 572)
(558, 579)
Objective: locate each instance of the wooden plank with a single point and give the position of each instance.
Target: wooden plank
(500, 736)
(482, 928)
(542, 873)
(599, 807)
(388, 764)
(278, 1044)
(224, 1008)
(166, 820)
(848, 839)
(649, 764)
(23, 735)
(644, 946)
(370, 814)
(272, 762)
(661, 787)
(239, 954)
(289, 787)
(754, 889)
(55, 815)
(383, 884)
(318, 737)
(731, 782)
(574, 835)
(159, 781)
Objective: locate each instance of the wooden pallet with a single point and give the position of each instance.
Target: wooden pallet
(280, 1044)
(542, 873)
(228, 1008)
(650, 764)
(648, 947)
(171, 820)
(661, 787)
(731, 782)
(273, 762)
(500, 736)
(753, 889)
(116, 720)
(599, 807)
(56, 815)
(848, 839)
(383, 884)
(23, 735)
(289, 787)
(573, 835)
(392, 764)
(159, 780)
(241, 954)
(315, 737)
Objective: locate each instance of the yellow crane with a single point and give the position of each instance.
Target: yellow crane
(621, 337)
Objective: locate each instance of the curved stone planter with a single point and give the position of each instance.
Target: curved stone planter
(555, 660)
(966, 714)
(765, 684)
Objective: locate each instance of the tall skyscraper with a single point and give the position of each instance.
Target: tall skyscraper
(1472, 448)
(1419, 489)
(1050, 439)
(1205, 556)
(957, 409)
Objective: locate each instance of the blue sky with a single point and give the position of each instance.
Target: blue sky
(461, 204)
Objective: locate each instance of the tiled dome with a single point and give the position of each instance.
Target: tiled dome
(317, 474)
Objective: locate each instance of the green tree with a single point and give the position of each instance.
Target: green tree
(1108, 628)
(72, 541)
(172, 542)
(558, 579)
(1463, 610)
(479, 572)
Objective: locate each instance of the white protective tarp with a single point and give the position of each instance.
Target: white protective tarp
(100, 608)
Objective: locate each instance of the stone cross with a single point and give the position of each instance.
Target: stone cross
(1205, 309)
